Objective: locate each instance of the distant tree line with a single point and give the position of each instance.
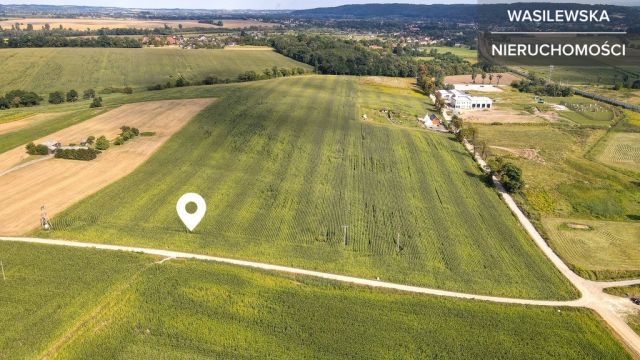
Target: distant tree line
(36, 40)
(329, 55)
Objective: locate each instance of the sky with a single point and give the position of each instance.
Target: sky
(268, 4)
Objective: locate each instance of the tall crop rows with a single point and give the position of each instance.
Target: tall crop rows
(290, 173)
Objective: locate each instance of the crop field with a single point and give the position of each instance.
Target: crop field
(95, 304)
(621, 150)
(592, 245)
(48, 69)
(631, 96)
(290, 173)
(99, 23)
(47, 290)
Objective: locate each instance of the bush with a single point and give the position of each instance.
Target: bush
(102, 143)
(119, 140)
(77, 154)
(147, 133)
(91, 140)
(122, 90)
(210, 80)
(18, 98)
(89, 94)
(33, 149)
(97, 102)
(180, 82)
(72, 96)
(511, 177)
(56, 97)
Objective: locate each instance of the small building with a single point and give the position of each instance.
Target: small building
(52, 145)
(458, 99)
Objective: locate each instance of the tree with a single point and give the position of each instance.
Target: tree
(457, 123)
(72, 96)
(483, 75)
(29, 27)
(490, 78)
(89, 94)
(439, 103)
(498, 77)
(511, 177)
(180, 82)
(56, 97)
(474, 74)
(180, 26)
(102, 143)
(97, 102)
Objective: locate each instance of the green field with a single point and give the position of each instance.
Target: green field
(284, 164)
(467, 54)
(95, 304)
(621, 150)
(576, 75)
(48, 289)
(47, 69)
(592, 246)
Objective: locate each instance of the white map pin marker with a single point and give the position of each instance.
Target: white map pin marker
(191, 220)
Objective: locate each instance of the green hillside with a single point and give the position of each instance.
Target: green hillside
(285, 163)
(45, 70)
(64, 303)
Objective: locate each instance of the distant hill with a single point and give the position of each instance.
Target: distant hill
(454, 12)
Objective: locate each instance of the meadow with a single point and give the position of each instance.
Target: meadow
(595, 247)
(467, 54)
(622, 150)
(291, 173)
(569, 178)
(45, 70)
(64, 303)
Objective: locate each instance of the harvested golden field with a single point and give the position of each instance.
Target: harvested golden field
(99, 23)
(59, 183)
(27, 121)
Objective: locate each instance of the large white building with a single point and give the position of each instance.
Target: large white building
(458, 99)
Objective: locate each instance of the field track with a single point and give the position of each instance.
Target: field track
(60, 183)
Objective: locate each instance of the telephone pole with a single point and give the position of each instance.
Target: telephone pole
(4, 278)
(398, 243)
(344, 234)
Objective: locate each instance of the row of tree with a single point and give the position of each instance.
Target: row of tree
(36, 40)
(19, 98)
(539, 86)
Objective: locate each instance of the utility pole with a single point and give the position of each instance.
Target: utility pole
(344, 234)
(398, 243)
(4, 278)
(550, 71)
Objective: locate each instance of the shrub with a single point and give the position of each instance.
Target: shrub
(97, 102)
(18, 98)
(180, 82)
(56, 97)
(33, 149)
(102, 143)
(511, 177)
(147, 133)
(119, 141)
(77, 154)
(89, 94)
(72, 96)
(210, 80)
(91, 140)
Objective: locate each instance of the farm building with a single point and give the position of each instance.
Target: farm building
(458, 99)
(52, 145)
